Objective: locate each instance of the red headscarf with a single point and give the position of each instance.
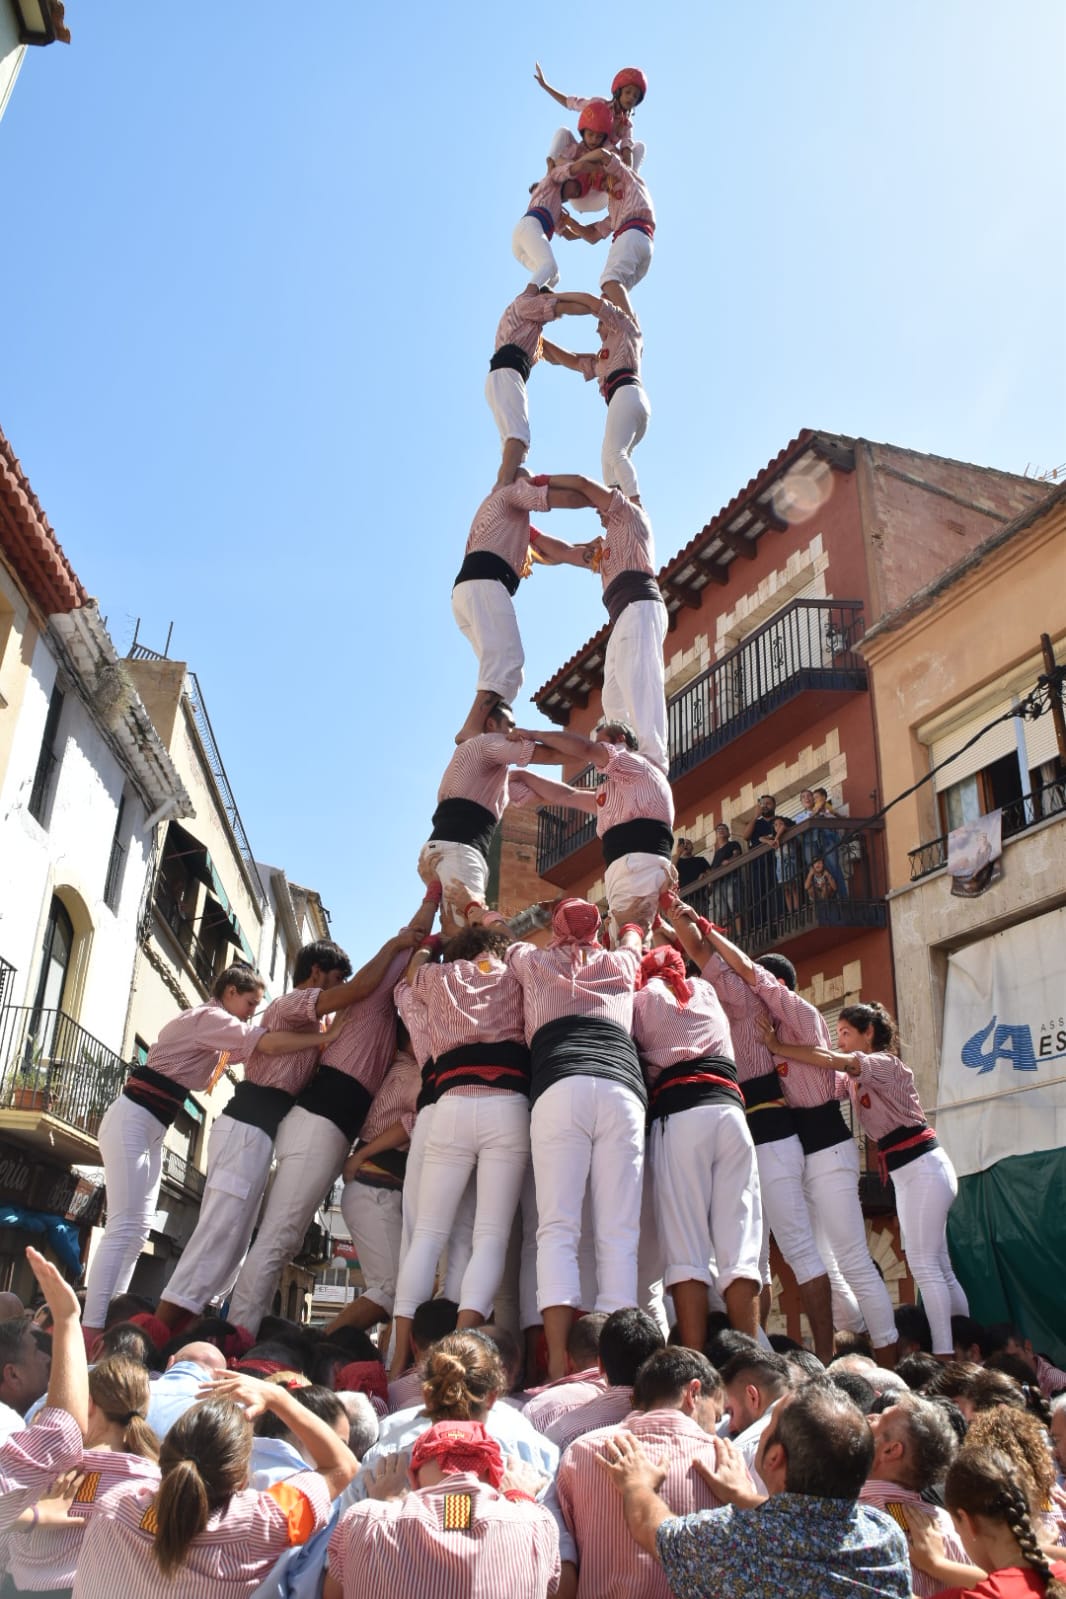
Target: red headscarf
(575, 921)
(460, 1446)
(670, 966)
(155, 1330)
(363, 1377)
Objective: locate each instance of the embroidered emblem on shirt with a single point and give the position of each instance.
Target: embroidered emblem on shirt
(894, 1508)
(458, 1512)
(150, 1521)
(87, 1489)
(864, 1101)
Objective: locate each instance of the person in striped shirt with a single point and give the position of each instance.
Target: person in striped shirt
(500, 549)
(628, 89)
(587, 1123)
(533, 232)
(480, 1126)
(463, 1533)
(584, 1379)
(677, 1403)
(914, 1444)
(241, 1147)
(203, 1532)
(633, 807)
(188, 1057)
(629, 1338)
(616, 369)
(630, 221)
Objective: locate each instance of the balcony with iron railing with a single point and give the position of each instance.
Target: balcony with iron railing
(57, 1080)
(182, 1173)
(740, 708)
(1018, 817)
(200, 956)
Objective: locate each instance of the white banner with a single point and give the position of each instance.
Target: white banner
(1002, 1088)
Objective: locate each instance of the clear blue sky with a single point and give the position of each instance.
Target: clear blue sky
(253, 264)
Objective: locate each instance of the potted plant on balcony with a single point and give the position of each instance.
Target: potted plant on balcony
(30, 1090)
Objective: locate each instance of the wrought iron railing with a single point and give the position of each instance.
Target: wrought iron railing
(202, 957)
(560, 830)
(767, 896)
(51, 1064)
(1018, 816)
(182, 1172)
(7, 976)
(810, 644)
(195, 697)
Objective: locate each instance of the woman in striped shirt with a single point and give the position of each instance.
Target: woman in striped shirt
(204, 1534)
(887, 1104)
(189, 1057)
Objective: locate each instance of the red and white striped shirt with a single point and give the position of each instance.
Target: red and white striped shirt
(31, 1460)
(523, 320)
(560, 982)
(609, 1562)
(478, 770)
(803, 1086)
(628, 541)
(234, 1554)
(608, 1409)
(413, 1015)
(882, 1494)
(634, 789)
(548, 194)
(545, 1407)
(621, 133)
(291, 1013)
(47, 1557)
(459, 1539)
(367, 1040)
(628, 201)
(188, 1048)
(395, 1099)
(501, 521)
(667, 1033)
(406, 1391)
(471, 1001)
(884, 1095)
(622, 346)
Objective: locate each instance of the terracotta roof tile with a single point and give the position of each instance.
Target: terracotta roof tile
(28, 543)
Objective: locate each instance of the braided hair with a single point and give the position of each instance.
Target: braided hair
(982, 1482)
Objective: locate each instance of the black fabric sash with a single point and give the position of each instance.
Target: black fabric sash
(463, 821)
(487, 564)
(639, 837)
(623, 377)
(904, 1135)
(514, 359)
(627, 588)
(383, 1170)
(427, 1094)
(339, 1098)
(504, 1064)
(704, 1080)
(156, 1093)
(820, 1126)
(769, 1118)
(258, 1106)
(584, 1046)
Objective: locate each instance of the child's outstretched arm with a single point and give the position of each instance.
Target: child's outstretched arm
(546, 86)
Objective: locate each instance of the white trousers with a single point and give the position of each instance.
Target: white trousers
(634, 878)
(705, 1182)
(505, 391)
(238, 1170)
(374, 1217)
(485, 615)
(633, 689)
(784, 1209)
(926, 1189)
(831, 1186)
(310, 1151)
(131, 1142)
(483, 1134)
(532, 247)
(454, 863)
(588, 1130)
(460, 1243)
(628, 259)
(627, 423)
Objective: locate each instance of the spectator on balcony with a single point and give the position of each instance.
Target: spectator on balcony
(724, 908)
(688, 865)
(317, 1134)
(760, 877)
(633, 807)
(189, 1057)
(819, 883)
(830, 840)
(241, 1147)
(786, 865)
(889, 1110)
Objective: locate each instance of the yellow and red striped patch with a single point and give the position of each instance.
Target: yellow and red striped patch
(458, 1512)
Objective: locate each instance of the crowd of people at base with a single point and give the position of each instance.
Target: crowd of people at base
(214, 1468)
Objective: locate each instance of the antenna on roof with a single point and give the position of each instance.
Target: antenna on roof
(1048, 474)
(141, 652)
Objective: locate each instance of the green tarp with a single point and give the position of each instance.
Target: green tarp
(1007, 1233)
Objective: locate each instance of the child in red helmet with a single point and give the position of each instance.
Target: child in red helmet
(627, 91)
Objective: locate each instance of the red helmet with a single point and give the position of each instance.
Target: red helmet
(630, 77)
(597, 115)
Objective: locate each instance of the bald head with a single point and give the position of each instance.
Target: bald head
(203, 1355)
(11, 1307)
